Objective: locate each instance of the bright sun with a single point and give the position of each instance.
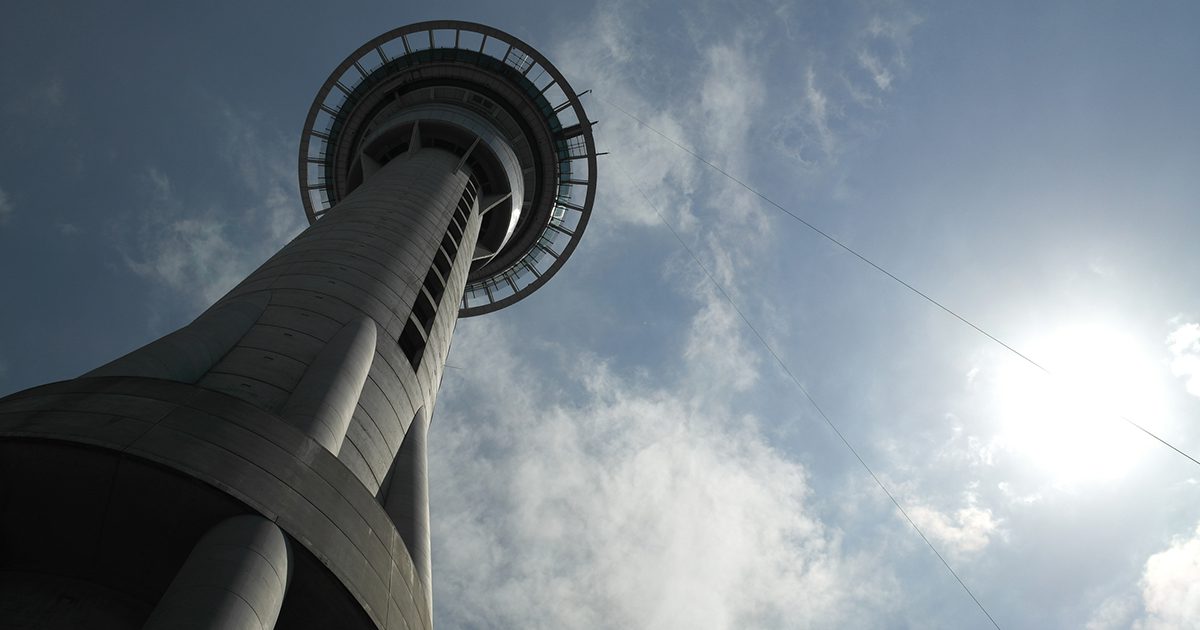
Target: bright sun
(1069, 424)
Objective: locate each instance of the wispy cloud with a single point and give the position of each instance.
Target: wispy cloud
(608, 63)
(6, 207)
(961, 532)
(202, 246)
(44, 104)
(264, 160)
(1184, 345)
(48, 94)
(188, 252)
(881, 74)
(804, 132)
(718, 358)
(1113, 613)
(1171, 586)
(718, 100)
(882, 46)
(42, 100)
(1167, 595)
(632, 505)
(649, 500)
(731, 91)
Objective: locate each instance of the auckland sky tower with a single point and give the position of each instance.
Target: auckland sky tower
(264, 465)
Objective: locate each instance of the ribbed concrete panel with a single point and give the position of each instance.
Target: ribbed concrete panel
(386, 416)
(337, 295)
(398, 367)
(263, 364)
(289, 313)
(368, 244)
(127, 406)
(359, 445)
(248, 454)
(388, 231)
(88, 428)
(186, 354)
(309, 300)
(387, 294)
(324, 258)
(356, 463)
(289, 342)
(369, 444)
(258, 393)
(36, 600)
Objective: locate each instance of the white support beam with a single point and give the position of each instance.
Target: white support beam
(466, 155)
(491, 201)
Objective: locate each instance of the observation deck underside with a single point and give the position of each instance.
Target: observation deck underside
(487, 97)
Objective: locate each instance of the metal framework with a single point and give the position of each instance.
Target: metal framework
(432, 55)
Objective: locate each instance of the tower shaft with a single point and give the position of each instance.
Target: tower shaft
(296, 392)
(264, 466)
(391, 252)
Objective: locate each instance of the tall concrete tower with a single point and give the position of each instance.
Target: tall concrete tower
(264, 466)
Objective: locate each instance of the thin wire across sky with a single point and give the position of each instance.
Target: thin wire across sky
(812, 401)
(783, 365)
(879, 268)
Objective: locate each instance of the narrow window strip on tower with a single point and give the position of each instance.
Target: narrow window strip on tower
(425, 306)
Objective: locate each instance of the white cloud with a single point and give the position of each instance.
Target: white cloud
(1169, 596)
(6, 207)
(840, 85)
(640, 500)
(804, 132)
(632, 505)
(607, 63)
(1009, 492)
(1113, 613)
(192, 254)
(879, 73)
(1171, 586)
(717, 106)
(1184, 345)
(47, 94)
(43, 101)
(957, 521)
(266, 165)
(647, 501)
(972, 374)
(732, 90)
(882, 47)
(817, 113)
(717, 358)
(202, 247)
(965, 531)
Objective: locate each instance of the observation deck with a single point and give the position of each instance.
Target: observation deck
(481, 94)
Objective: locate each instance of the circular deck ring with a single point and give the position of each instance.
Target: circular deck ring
(532, 257)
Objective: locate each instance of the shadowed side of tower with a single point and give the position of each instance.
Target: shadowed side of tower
(264, 466)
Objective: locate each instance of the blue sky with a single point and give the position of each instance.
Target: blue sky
(618, 450)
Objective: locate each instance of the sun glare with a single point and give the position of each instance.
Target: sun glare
(1069, 423)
